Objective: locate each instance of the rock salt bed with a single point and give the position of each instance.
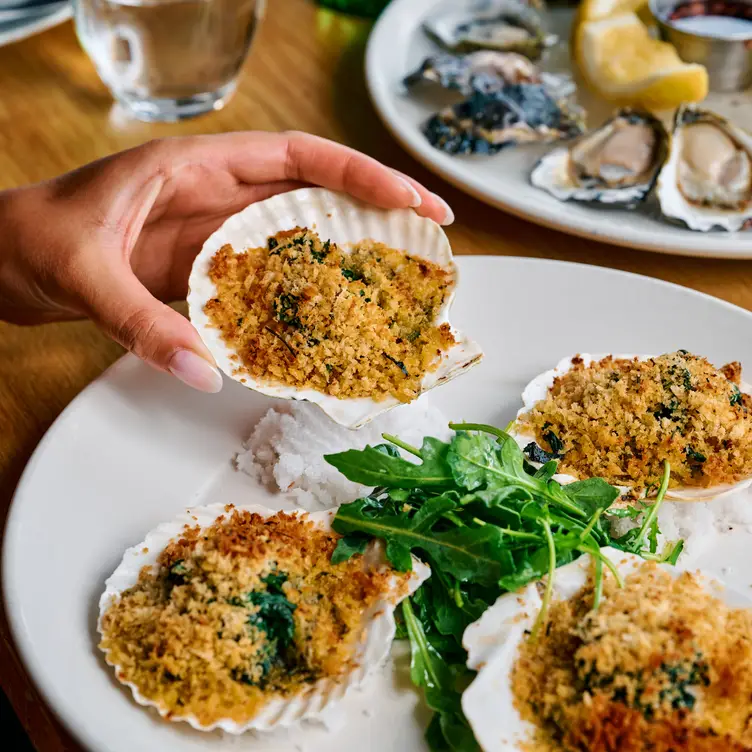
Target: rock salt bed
(286, 449)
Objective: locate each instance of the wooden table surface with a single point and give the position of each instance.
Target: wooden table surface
(305, 72)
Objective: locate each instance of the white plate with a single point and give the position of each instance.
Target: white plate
(398, 45)
(136, 447)
(15, 31)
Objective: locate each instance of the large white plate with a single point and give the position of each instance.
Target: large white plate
(136, 447)
(397, 46)
(23, 28)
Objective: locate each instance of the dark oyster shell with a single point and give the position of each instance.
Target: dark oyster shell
(488, 122)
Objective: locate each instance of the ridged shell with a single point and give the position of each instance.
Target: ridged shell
(278, 713)
(673, 203)
(492, 643)
(467, 28)
(553, 173)
(537, 389)
(343, 220)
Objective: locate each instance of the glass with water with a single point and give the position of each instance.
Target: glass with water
(168, 59)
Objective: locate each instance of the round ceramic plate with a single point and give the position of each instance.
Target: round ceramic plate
(398, 45)
(136, 448)
(24, 27)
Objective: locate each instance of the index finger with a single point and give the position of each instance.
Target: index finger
(260, 157)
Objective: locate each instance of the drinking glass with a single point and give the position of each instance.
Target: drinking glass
(166, 60)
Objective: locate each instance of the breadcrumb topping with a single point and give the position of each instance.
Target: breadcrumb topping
(660, 666)
(620, 419)
(237, 613)
(302, 312)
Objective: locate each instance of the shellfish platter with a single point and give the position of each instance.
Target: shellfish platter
(142, 472)
(486, 94)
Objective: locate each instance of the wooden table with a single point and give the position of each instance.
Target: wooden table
(306, 73)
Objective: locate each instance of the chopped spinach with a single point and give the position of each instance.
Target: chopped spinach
(694, 456)
(352, 275)
(273, 245)
(322, 254)
(286, 310)
(536, 454)
(736, 395)
(397, 363)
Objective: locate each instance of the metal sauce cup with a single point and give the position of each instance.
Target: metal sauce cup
(727, 58)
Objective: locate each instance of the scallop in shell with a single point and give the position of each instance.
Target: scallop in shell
(318, 700)
(537, 390)
(616, 163)
(488, 122)
(504, 25)
(492, 643)
(707, 180)
(345, 221)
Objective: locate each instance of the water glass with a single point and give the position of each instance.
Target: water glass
(166, 60)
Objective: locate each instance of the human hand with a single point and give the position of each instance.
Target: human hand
(115, 238)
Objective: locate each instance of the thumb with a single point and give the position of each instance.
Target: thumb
(153, 331)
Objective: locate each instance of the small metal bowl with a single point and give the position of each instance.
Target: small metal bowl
(727, 58)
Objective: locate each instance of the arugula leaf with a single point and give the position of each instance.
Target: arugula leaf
(477, 553)
(375, 466)
(592, 494)
(348, 546)
(477, 459)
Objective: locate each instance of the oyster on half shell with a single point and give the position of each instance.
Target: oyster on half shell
(707, 180)
(484, 71)
(486, 123)
(505, 25)
(616, 163)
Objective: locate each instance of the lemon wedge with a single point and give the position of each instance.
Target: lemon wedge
(621, 61)
(592, 10)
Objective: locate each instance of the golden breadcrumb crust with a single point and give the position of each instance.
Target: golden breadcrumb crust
(245, 610)
(304, 313)
(620, 419)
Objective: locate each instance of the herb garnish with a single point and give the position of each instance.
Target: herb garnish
(397, 363)
(487, 522)
(286, 310)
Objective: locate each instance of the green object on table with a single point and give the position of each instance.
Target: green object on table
(368, 8)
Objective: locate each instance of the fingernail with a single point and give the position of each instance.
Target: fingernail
(448, 213)
(416, 199)
(194, 371)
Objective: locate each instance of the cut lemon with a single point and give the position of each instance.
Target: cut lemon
(621, 61)
(592, 10)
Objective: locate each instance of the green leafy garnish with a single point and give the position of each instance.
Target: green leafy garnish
(487, 522)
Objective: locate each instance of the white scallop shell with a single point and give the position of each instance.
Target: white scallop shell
(673, 203)
(313, 702)
(537, 389)
(493, 640)
(343, 220)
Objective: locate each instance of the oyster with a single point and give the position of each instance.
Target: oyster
(484, 71)
(488, 122)
(505, 25)
(616, 163)
(707, 180)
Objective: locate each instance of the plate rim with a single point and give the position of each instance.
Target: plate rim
(10, 590)
(36, 26)
(402, 13)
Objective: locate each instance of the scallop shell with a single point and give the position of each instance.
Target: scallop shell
(313, 703)
(343, 220)
(673, 203)
(493, 640)
(537, 389)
